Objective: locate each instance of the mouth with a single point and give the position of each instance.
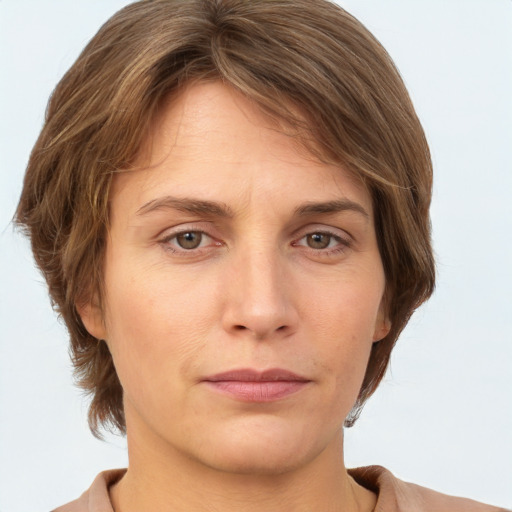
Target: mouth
(248, 385)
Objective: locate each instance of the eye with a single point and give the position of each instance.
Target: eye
(324, 243)
(189, 239)
(319, 240)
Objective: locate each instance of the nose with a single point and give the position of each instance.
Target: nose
(259, 297)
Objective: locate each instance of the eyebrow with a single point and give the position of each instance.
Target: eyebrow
(327, 207)
(218, 209)
(186, 205)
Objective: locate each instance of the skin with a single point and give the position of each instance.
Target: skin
(267, 287)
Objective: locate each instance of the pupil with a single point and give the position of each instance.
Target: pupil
(318, 240)
(189, 240)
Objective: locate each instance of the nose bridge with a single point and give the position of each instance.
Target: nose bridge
(259, 301)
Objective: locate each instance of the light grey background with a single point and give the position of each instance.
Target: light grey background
(442, 417)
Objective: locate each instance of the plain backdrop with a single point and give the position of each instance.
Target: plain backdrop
(442, 417)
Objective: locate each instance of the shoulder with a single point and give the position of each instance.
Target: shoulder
(395, 495)
(96, 498)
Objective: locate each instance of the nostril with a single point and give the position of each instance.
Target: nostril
(240, 327)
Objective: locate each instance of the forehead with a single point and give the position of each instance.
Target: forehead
(211, 111)
(210, 140)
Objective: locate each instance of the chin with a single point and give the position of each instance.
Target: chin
(254, 461)
(265, 451)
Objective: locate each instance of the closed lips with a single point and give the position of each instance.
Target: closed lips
(249, 375)
(258, 387)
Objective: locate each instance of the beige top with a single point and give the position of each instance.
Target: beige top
(393, 494)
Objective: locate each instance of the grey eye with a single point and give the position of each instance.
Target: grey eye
(189, 239)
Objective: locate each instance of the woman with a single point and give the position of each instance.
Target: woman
(229, 202)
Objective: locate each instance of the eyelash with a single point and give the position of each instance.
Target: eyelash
(343, 243)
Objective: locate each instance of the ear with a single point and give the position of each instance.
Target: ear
(382, 324)
(92, 318)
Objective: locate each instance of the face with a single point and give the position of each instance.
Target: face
(243, 289)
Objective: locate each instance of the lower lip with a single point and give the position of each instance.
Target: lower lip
(257, 391)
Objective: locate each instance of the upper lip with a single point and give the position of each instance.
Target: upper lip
(251, 375)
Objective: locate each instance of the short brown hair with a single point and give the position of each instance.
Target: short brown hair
(311, 54)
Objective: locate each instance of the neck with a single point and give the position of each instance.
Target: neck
(167, 480)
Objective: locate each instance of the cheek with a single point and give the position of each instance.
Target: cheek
(347, 309)
(156, 328)
(342, 321)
